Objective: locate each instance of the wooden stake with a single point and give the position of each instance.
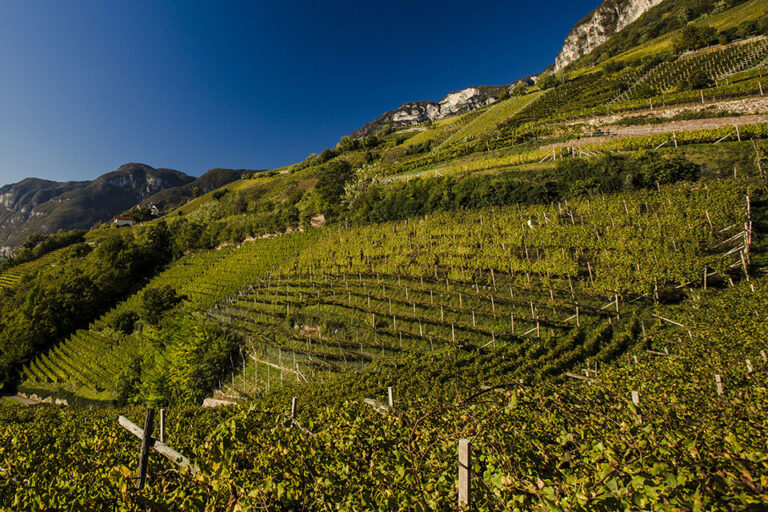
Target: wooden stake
(293, 408)
(390, 398)
(636, 398)
(744, 265)
(149, 424)
(749, 367)
(719, 384)
(161, 448)
(161, 436)
(465, 473)
(757, 155)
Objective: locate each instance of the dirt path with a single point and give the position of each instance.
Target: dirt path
(669, 127)
(20, 399)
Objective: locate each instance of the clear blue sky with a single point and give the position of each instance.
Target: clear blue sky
(86, 86)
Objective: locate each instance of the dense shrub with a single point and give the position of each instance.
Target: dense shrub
(156, 301)
(38, 245)
(573, 177)
(124, 322)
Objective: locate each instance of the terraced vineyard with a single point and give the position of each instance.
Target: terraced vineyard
(540, 280)
(717, 64)
(91, 360)
(680, 442)
(9, 278)
(532, 274)
(488, 121)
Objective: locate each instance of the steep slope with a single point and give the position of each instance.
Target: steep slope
(611, 17)
(40, 206)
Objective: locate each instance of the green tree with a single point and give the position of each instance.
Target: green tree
(370, 142)
(124, 322)
(547, 81)
(698, 80)
(348, 144)
(156, 301)
(239, 204)
(330, 185)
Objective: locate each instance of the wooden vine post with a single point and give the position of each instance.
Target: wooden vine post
(149, 424)
(465, 475)
(161, 434)
(636, 402)
(147, 442)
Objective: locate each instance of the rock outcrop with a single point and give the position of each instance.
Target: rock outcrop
(609, 18)
(411, 114)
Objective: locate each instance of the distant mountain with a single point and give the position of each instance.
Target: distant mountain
(171, 198)
(40, 206)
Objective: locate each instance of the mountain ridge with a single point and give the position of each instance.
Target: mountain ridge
(34, 205)
(605, 21)
(415, 112)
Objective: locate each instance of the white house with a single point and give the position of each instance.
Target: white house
(121, 220)
(155, 211)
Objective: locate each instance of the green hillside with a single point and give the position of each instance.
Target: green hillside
(571, 277)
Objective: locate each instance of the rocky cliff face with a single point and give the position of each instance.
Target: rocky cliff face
(608, 19)
(417, 112)
(41, 206)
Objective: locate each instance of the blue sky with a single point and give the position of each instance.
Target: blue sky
(86, 86)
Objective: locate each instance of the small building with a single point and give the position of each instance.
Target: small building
(122, 220)
(155, 211)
